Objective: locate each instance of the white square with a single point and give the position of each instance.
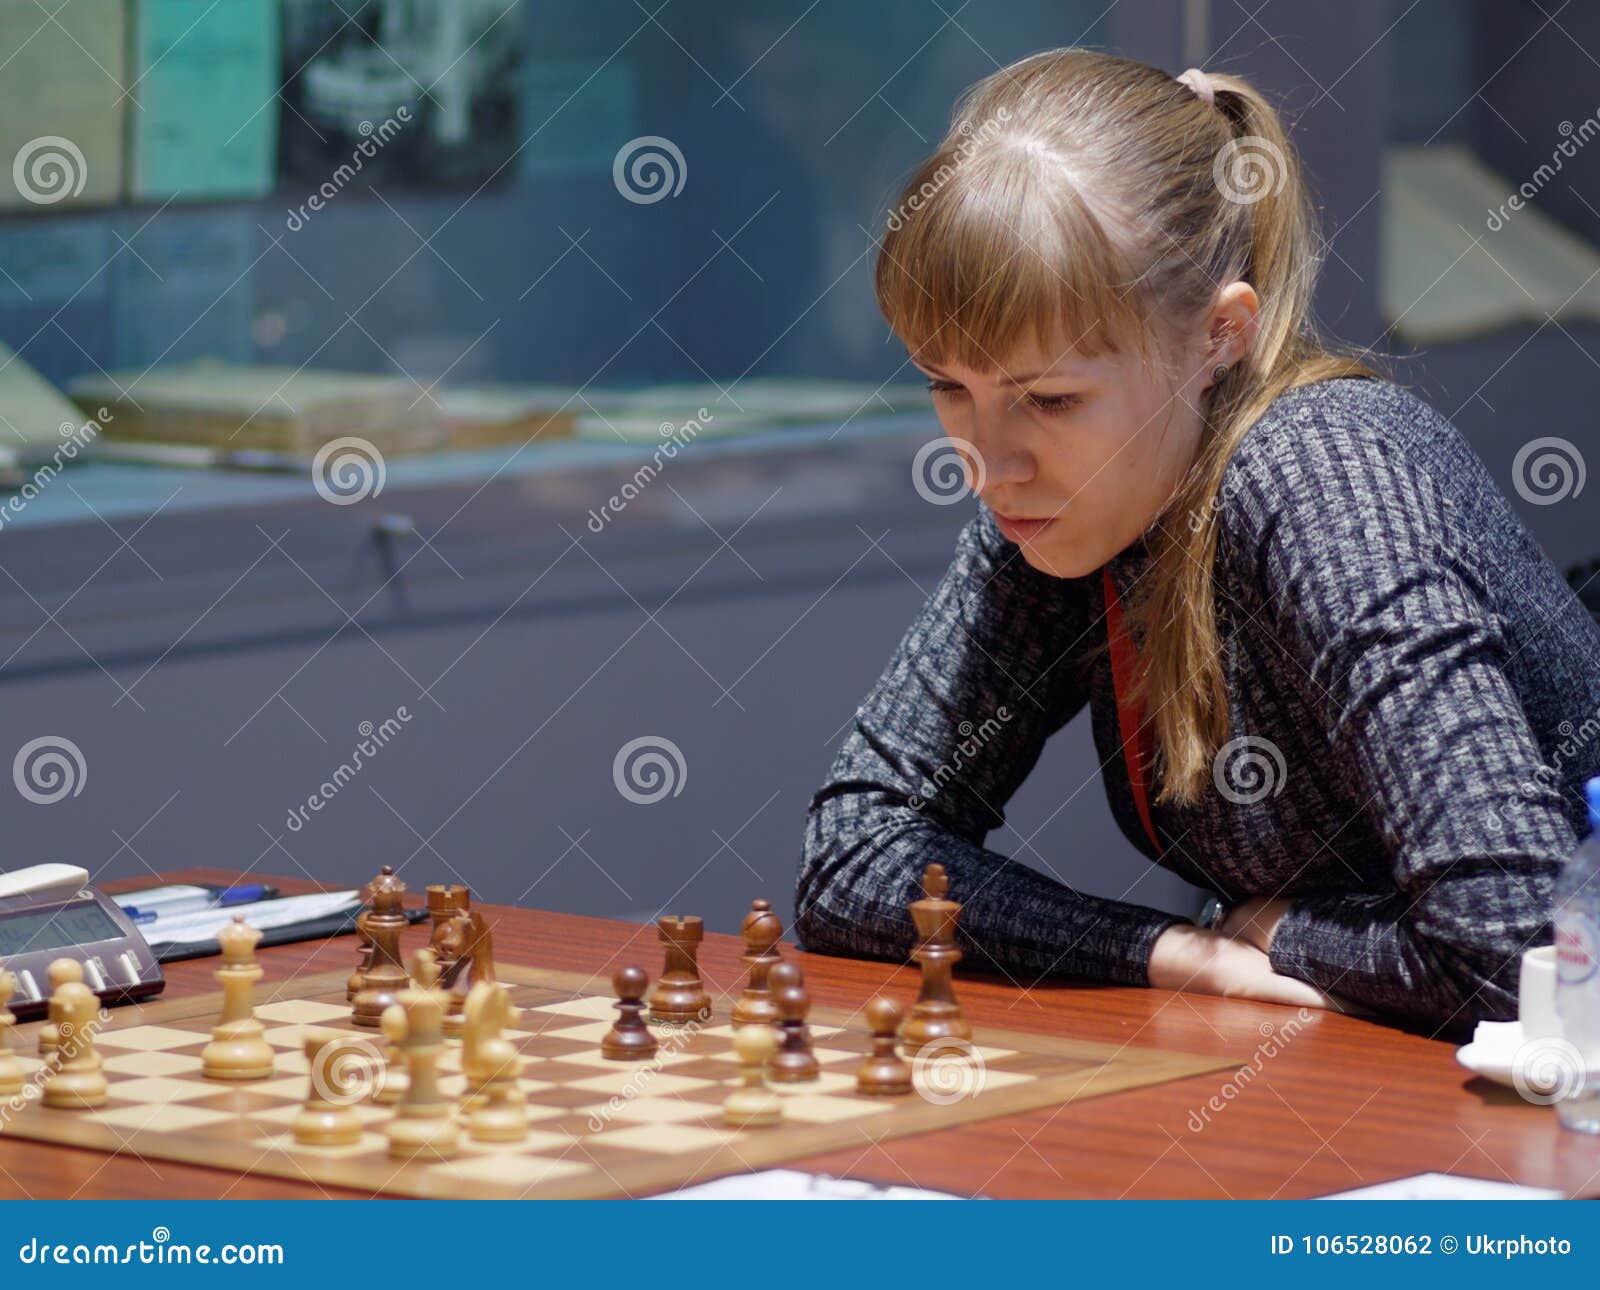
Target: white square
(159, 1089)
(639, 1081)
(666, 1139)
(304, 1011)
(651, 1110)
(161, 1118)
(149, 1038)
(822, 1108)
(593, 1008)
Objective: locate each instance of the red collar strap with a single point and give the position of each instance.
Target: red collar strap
(1130, 713)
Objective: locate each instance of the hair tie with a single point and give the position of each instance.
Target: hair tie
(1200, 83)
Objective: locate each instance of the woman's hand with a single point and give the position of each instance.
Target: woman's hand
(1254, 921)
(1195, 959)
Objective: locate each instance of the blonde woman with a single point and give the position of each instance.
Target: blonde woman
(1325, 663)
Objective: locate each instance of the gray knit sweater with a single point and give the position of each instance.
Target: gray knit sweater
(1413, 692)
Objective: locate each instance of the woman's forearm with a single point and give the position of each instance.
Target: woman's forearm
(863, 866)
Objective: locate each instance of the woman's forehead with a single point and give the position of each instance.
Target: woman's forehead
(1054, 357)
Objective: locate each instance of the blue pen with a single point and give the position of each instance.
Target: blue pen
(246, 894)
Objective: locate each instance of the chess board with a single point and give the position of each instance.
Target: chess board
(598, 1128)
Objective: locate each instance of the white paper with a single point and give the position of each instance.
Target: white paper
(1446, 1187)
(791, 1184)
(203, 925)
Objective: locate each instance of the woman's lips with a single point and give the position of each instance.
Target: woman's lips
(1020, 530)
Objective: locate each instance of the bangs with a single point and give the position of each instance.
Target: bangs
(987, 254)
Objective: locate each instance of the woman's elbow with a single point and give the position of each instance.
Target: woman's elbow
(841, 884)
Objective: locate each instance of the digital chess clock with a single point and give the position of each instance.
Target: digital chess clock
(51, 911)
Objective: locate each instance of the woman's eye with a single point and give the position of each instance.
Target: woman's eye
(1051, 404)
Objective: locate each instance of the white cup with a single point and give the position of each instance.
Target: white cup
(1536, 994)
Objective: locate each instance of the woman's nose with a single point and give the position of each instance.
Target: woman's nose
(999, 459)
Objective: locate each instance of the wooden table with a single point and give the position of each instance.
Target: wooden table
(1318, 1106)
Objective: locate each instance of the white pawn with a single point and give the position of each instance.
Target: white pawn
(60, 972)
(76, 1078)
(327, 1119)
(10, 1067)
(238, 1049)
(753, 1105)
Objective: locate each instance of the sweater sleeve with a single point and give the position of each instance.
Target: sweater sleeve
(1383, 610)
(990, 668)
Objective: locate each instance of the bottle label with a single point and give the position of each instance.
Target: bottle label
(1577, 947)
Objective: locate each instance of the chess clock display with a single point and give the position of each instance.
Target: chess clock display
(52, 911)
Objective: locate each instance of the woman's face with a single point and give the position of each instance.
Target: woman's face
(1075, 456)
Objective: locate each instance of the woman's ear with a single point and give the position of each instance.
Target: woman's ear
(1233, 323)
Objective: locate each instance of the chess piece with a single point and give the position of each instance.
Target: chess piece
(885, 1073)
(482, 1046)
(10, 1066)
(446, 903)
(238, 1049)
(465, 947)
(423, 1125)
(358, 977)
(679, 997)
(383, 924)
(629, 1040)
(936, 1014)
(391, 1089)
(753, 1105)
(762, 932)
(794, 1062)
(75, 1079)
(492, 1064)
(59, 973)
(328, 1118)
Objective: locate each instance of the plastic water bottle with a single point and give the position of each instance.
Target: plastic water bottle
(1577, 924)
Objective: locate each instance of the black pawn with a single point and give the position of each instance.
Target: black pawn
(794, 1062)
(629, 1040)
(885, 1073)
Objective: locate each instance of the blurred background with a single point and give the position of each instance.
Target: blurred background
(459, 434)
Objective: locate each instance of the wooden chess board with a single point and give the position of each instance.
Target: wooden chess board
(598, 1127)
